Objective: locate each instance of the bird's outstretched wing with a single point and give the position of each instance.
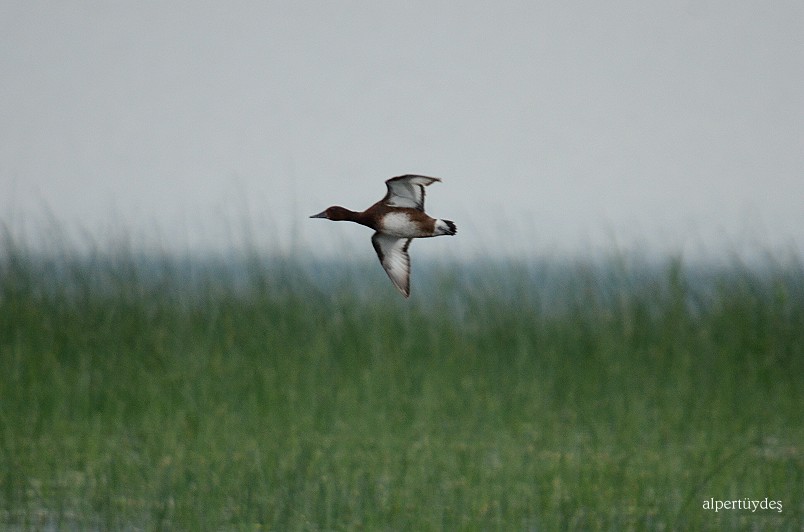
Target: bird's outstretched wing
(407, 191)
(393, 255)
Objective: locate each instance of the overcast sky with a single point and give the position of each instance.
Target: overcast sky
(556, 126)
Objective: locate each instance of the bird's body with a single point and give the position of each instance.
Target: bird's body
(396, 219)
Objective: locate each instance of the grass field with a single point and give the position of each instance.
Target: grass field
(258, 393)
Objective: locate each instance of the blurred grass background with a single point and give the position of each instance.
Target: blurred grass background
(150, 392)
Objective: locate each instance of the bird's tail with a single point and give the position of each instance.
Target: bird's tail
(445, 227)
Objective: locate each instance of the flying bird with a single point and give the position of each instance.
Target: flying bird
(397, 219)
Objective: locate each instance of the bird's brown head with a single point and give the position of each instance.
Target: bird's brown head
(335, 213)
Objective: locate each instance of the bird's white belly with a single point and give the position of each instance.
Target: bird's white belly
(400, 224)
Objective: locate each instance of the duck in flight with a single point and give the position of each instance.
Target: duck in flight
(397, 219)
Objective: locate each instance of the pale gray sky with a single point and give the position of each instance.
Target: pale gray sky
(555, 125)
